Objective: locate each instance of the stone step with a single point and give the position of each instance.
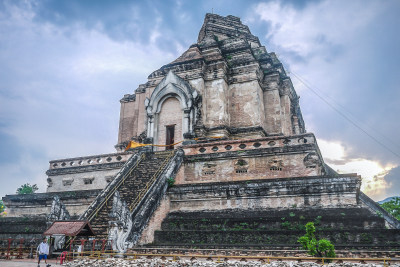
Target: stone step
(382, 237)
(272, 220)
(131, 187)
(273, 251)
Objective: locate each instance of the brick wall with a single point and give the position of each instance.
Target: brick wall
(269, 167)
(170, 114)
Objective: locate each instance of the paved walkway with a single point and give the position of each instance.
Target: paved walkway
(26, 263)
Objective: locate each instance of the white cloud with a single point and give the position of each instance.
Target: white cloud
(372, 172)
(335, 47)
(60, 90)
(317, 26)
(331, 150)
(322, 43)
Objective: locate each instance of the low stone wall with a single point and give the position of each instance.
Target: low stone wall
(39, 204)
(252, 195)
(340, 191)
(91, 172)
(26, 228)
(196, 262)
(263, 158)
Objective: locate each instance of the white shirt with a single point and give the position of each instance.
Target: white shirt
(43, 248)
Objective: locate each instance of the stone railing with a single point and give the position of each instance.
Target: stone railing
(90, 160)
(110, 189)
(143, 211)
(390, 219)
(249, 144)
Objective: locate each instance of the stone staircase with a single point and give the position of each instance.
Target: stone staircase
(275, 229)
(137, 177)
(134, 186)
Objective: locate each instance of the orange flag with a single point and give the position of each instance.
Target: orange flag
(133, 144)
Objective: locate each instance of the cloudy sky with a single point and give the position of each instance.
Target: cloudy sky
(64, 65)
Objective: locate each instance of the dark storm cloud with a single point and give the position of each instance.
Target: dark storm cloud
(125, 20)
(65, 65)
(351, 63)
(393, 181)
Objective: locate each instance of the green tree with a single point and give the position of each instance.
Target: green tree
(393, 207)
(27, 189)
(2, 207)
(314, 247)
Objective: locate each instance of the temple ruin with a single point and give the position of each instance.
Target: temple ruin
(234, 166)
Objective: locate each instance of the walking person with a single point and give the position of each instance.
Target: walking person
(43, 251)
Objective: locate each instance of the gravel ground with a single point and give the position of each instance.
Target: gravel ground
(199, 263)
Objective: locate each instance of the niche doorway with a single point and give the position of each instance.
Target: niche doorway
(170, 115)
(170, 137)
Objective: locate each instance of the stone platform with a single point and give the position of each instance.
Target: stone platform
(39, 204)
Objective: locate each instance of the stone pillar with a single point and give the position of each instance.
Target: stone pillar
(285, 113)
(272, 111)
(215, 105)
(186, 121)
(296, 126)
(272, 105)
(150, 126)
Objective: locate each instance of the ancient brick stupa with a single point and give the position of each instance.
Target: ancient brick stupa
(233, 164)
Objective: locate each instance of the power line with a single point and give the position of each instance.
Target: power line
(344, 116)
(354, 117)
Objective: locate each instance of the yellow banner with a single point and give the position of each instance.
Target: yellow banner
(133, 144)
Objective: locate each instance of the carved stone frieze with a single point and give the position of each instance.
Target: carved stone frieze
(209, 168)
(241, 166)
(312, 160)
(90, 168)
(58, 212)
(275, 164)
(121, 224)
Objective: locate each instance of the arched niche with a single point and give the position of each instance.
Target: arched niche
(171, 87)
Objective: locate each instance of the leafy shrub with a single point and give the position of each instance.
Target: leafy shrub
(314, 247)
(171, 182)
(286, 225)
(317, 220)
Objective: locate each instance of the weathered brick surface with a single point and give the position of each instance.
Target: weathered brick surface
(155, 222)
(39, 204)
(135, 183)
(269, 167)
(318, 192)
(241, 85)
(262, 158)
(171, 114)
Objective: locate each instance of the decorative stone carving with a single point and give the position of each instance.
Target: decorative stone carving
(121, 227)
(49, 182)
(312, 160)
(58, 211)
(198, 118)
(241, 166)
(59, 241)
(67, 181)
(88, 180)
(209, 168)
(142, 137)
(275, 164)
(109, 178)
